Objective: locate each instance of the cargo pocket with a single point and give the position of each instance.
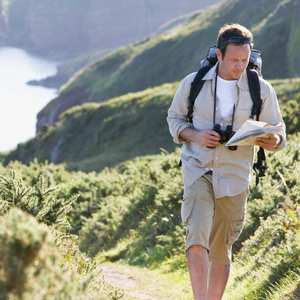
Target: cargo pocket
(187, 205)
(236, 226)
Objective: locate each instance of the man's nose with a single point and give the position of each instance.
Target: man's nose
(240, 65)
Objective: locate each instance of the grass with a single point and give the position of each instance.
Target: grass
(66, 70)
(130, 215)
(171, 55)
(98, 135)
(104, 134)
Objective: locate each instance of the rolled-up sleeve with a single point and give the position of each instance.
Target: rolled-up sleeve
(179, 109)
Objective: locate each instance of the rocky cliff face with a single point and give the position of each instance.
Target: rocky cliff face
(67, 28)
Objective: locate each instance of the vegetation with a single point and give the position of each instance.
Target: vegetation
(95, 135)
(131, 214)
(39, 259)
(172, 55)
(68, 69)
(105, 134)
(120, 186)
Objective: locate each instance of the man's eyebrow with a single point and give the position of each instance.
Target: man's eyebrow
(239, 59)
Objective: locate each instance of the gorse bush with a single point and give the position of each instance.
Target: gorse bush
(38, 258)
(38, 201)
(141, 222)
(131, 214)
(266, 264)
(279, 189)
(33, 267)
(91, 187)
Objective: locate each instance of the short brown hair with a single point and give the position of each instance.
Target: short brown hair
(232, 30)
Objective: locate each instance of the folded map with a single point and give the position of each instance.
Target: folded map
(251, 130)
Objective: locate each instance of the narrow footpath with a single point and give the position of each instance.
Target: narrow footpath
(125, 282)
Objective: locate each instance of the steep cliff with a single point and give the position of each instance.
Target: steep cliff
(172, 55)
(67, 28)
(94, 135)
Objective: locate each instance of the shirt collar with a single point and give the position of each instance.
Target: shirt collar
(242, 81)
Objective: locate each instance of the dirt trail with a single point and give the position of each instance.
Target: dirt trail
(125, 282)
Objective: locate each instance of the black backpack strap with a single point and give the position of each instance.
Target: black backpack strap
(196, 87)
(254, 88)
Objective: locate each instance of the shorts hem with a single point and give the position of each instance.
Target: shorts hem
(220, 261)
(196, 242)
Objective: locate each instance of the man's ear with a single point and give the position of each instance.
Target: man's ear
(219, 54)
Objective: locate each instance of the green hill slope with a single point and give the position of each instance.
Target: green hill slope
(172, 55)
(131, 215)
(93, 136)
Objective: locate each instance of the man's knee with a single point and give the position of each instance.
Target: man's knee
(196, 250)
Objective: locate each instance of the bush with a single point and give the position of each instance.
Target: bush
(30, 264)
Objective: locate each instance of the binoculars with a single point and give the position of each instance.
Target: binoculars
(225, 136)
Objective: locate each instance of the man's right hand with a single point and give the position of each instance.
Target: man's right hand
(207, 137)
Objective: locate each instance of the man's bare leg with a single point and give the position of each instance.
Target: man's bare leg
(218, 277)
(197, 260)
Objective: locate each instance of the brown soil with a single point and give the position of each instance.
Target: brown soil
(125, 282)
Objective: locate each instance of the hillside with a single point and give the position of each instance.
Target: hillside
(170, 56)
(131, 215)
(103, 184)
(67, 69)
(95, 135)
(62, 29)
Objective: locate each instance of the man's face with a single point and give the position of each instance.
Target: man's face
(235, 61)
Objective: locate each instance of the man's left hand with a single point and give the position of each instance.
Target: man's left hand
(268, 143)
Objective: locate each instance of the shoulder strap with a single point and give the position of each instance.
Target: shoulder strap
(196, 87)
(254, 88)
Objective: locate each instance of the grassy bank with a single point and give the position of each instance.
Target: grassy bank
(131, 215)
(171, 55)
(95, 135)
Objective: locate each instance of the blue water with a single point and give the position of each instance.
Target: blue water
(19, 102)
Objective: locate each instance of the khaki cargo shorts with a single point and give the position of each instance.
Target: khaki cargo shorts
(212, 223)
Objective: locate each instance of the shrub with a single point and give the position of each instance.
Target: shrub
(30, 266)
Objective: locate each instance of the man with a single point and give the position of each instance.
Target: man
(216, 179)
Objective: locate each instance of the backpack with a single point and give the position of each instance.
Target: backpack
(253, 71)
